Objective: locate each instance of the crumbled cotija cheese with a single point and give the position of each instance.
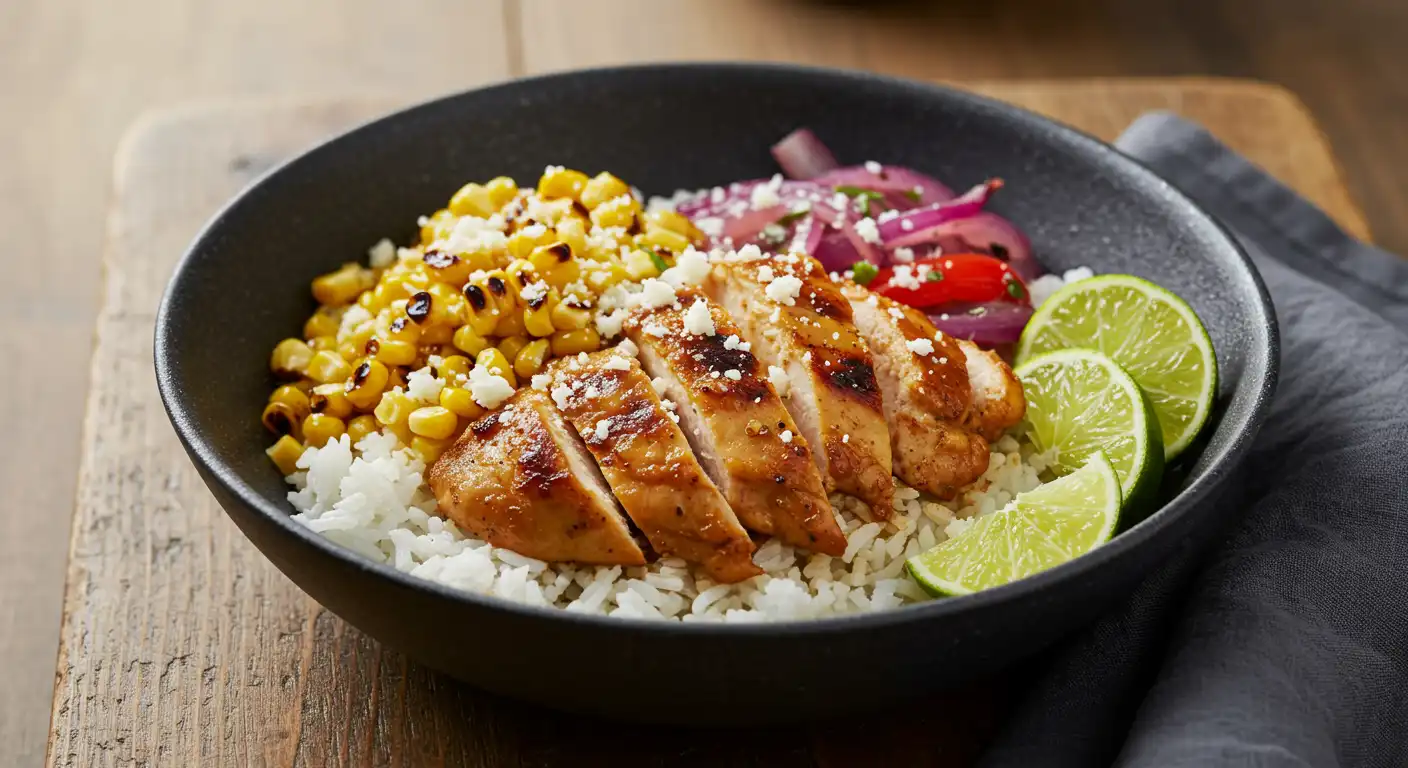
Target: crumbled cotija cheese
(868, 231)
(920, 346)
(784, 290)
(778, 378)
(422, 385)
(697, 319)
(488, 390)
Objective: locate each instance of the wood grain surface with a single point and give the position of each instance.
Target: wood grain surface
(182, 646)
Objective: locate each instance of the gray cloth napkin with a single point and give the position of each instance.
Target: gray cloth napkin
(1285, 642)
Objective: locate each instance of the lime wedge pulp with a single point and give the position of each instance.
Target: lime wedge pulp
(1080, 403)
(1040, 529)
(1154, 335)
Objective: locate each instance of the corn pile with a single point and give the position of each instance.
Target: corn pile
(502, 280)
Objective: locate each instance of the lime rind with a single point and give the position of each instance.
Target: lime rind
(1149, 331)
(1040, 529)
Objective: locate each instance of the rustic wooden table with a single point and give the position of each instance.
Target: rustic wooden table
(74, 74)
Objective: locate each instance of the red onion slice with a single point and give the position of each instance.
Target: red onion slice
(801, 155)
(915, 226)
(984, 324)
(986, 232)
(903, 188)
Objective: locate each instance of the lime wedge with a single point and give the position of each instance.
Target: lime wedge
(1042, 528)
(1149, 331)
(1080, 403)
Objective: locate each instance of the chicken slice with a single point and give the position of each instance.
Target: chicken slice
(826, 378)
(648, 464)
(998, 403)
(520, 478)
(923, 377)
(740, 432)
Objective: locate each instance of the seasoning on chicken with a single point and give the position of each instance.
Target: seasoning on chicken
(740, 432)
(521, 478)
(800, 326)
(927, 394)
(648, 463)
(998, 403)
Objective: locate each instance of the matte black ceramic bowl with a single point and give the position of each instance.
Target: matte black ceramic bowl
(244, 285)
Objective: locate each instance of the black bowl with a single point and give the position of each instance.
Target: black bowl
(243, 285)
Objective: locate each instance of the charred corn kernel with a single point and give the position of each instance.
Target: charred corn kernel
(433, 421)
(361, 426)
(436, 226)
(522, 242)
(530, 359)
(304, 385)
(601, 188)
(367, 383)
(284, 453)
(349, 350)
(341, 286)
(484, 300)
(573, 231)
(460, 402)
(280, 419)
(639, 265)
(511, 346)
(546, 258)
(328, 366)
(394, 408)
(521, 274)
(468, 340)
(448, 305)
(494, 361)
(453, 366)
(539, 321)
(511, 324)
(617, 212)
(566, 317)
(324, 322)
(472, 200)
(501, 190)
(290, 358)
(396, 352)
(673, 242)
(426, 449)
(319, 428)
(571, 342)
(398, 377)
(322, 343)
(436, 335)
(673, 222)
(331, 399)
(396, 326)
(557, 181)
(446, 267)
(293, 397)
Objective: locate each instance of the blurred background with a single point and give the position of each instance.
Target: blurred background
(74, 74)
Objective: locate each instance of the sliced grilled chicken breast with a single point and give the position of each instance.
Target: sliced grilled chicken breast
(521, 478)
(648, 464)
(740, 432)
(923, 376)
(826, 377)
(998, 402)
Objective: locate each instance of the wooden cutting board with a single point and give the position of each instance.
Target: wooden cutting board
(182, 646)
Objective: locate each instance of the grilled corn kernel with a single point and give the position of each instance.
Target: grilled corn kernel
(512, 345)
(319, 428)
(604, 275)
(521, 274)
(494, 361)
(280, 419)
(672, 221)
(395, 407)
(304, 385)
(546, 258)
(367, 383)
(361, 426)
(483, 304)
(433, 421)
(522, 242)
(453, 366)
(673, 242)
(328, 366)
(617, 212)
(460, 402)
(436, 226)
(436, 335)
(331, 399)
(501, 189)
(511, 324)
(573, 231)
(446, 267)
(293, 397)
(561, 182)
(530, 359)
(396, 352)
(472, 200)
(284, 453)
(290, 358)
(566, 317)
(426, 449)
(639, 265)
(322, 343)
(601, 188)
(539, 321)
(468, 340)
(571, 342)
(324, 322)
(341, 286)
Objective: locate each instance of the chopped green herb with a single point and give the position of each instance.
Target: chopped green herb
(1015, 289)
(934, 276)
(913, 194)
(863, 272)
(791, 216)
(863, 197)
(655, 259)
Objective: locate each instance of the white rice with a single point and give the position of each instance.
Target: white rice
(372, 499)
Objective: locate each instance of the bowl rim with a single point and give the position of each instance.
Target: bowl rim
(1263, 361)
